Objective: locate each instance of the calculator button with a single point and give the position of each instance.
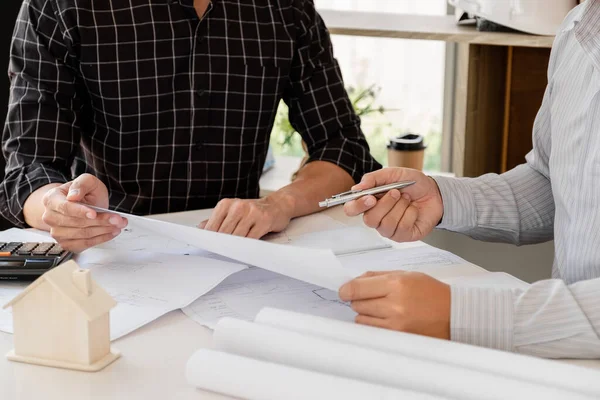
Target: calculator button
(5, 253)
(56, 250)
(26, 249)
(12, 245)
(42, 249)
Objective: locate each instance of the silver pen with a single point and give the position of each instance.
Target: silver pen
(345, 197)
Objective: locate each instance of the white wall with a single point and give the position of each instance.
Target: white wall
(529, 263)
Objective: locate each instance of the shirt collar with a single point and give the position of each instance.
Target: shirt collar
(188, 6)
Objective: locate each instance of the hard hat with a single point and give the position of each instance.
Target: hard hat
(540, 17)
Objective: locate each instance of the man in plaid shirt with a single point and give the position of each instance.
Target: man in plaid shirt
(155, 106)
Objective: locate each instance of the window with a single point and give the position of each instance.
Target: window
(404, 77)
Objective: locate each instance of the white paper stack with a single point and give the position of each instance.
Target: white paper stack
(289, 355)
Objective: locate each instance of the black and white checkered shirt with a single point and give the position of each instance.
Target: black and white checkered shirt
(170, 111)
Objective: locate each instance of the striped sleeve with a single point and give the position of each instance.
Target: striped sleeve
(515, 207)
(550, 319)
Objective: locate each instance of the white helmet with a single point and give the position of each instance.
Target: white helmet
(540, 17)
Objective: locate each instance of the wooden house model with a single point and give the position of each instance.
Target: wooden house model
(62, 320)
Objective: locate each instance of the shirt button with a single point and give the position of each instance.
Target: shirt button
(199, 146)
(200, 92)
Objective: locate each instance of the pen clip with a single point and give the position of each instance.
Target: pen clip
(337, 196)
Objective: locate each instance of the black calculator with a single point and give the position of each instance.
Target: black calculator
(27, 261)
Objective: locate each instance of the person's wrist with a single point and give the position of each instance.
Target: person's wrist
(438, 197)
(284, 202)
(33, 208)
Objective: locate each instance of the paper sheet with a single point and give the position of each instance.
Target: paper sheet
(319, 267)
(543, 372)
(331, 356)
(343, 240)
(149, 285)
(145, 285)
(245, 293)
(315, 231)
(136, 239)
(242, 295)
(250, 379)
(407, 259)
(305, 225)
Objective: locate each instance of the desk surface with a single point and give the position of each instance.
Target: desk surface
(152, 365)
(424, 27)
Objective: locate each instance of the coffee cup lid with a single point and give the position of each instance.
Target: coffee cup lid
(407, 142)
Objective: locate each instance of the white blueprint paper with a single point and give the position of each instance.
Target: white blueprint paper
(245, 293)
(407, 259)
(319, 267)
(149, 285)
(145, 285)
(315, 231)
(342, 241)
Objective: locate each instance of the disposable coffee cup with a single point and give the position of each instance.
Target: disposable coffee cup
(406, 151)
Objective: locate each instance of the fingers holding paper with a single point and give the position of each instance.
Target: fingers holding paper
(403, 301)
(75, 226)
(404, 216)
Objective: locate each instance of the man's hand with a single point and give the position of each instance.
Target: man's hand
(251, 218)
(402, 217)
(74, 226)
(403, 301)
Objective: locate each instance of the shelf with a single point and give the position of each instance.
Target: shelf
(423, 27)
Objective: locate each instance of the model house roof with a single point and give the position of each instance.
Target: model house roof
(93, 304)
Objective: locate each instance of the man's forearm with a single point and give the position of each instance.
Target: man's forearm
(33, 210)
(315, 182)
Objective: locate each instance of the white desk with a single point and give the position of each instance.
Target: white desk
(152, 366)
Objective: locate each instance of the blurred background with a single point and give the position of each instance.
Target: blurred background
(396, 85)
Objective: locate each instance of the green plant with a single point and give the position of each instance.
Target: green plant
(364, 102)
(377, 128)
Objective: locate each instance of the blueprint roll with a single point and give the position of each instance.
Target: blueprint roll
(544, 372)
(245, 378)
(333, 357)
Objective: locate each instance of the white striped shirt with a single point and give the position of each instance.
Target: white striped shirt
(555, 194)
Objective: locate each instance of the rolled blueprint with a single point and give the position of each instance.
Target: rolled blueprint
(329, 356)
(245, 378)
(545, 372)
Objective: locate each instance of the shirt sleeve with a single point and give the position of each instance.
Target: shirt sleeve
(515, 207)
(320, 109)
(41, 132)
(550, 319)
